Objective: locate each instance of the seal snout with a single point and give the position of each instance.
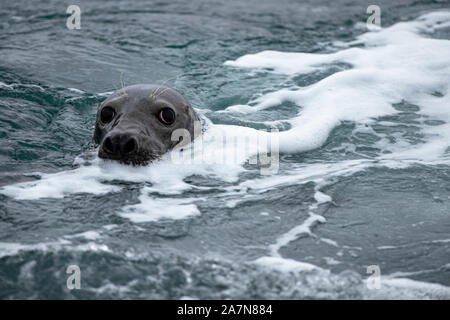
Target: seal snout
(119, 146)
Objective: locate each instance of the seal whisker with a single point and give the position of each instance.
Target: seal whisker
(121, 80)
(153, 94)
(162, 92)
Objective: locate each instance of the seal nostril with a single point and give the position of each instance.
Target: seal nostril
(108, 145)
(130, 146)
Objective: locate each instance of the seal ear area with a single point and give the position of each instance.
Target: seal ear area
(187, 109)
(192, 114)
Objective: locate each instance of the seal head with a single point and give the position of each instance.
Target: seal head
(135, 124)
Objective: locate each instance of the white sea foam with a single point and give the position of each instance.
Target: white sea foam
(76, 90)
(294, 233)
(390, 288)
(394, 64)
(11, 248)
(88, 235)
(57, 185)
(152, 208)
(330, 242)
(403, 288)
(285, 265)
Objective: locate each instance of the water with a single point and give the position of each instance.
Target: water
(364, 137)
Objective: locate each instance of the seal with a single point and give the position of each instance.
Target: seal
(135, 125)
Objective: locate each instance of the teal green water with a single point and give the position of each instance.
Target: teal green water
(45, 125)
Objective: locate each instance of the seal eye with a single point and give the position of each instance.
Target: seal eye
(166, 116)
(107, 114)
